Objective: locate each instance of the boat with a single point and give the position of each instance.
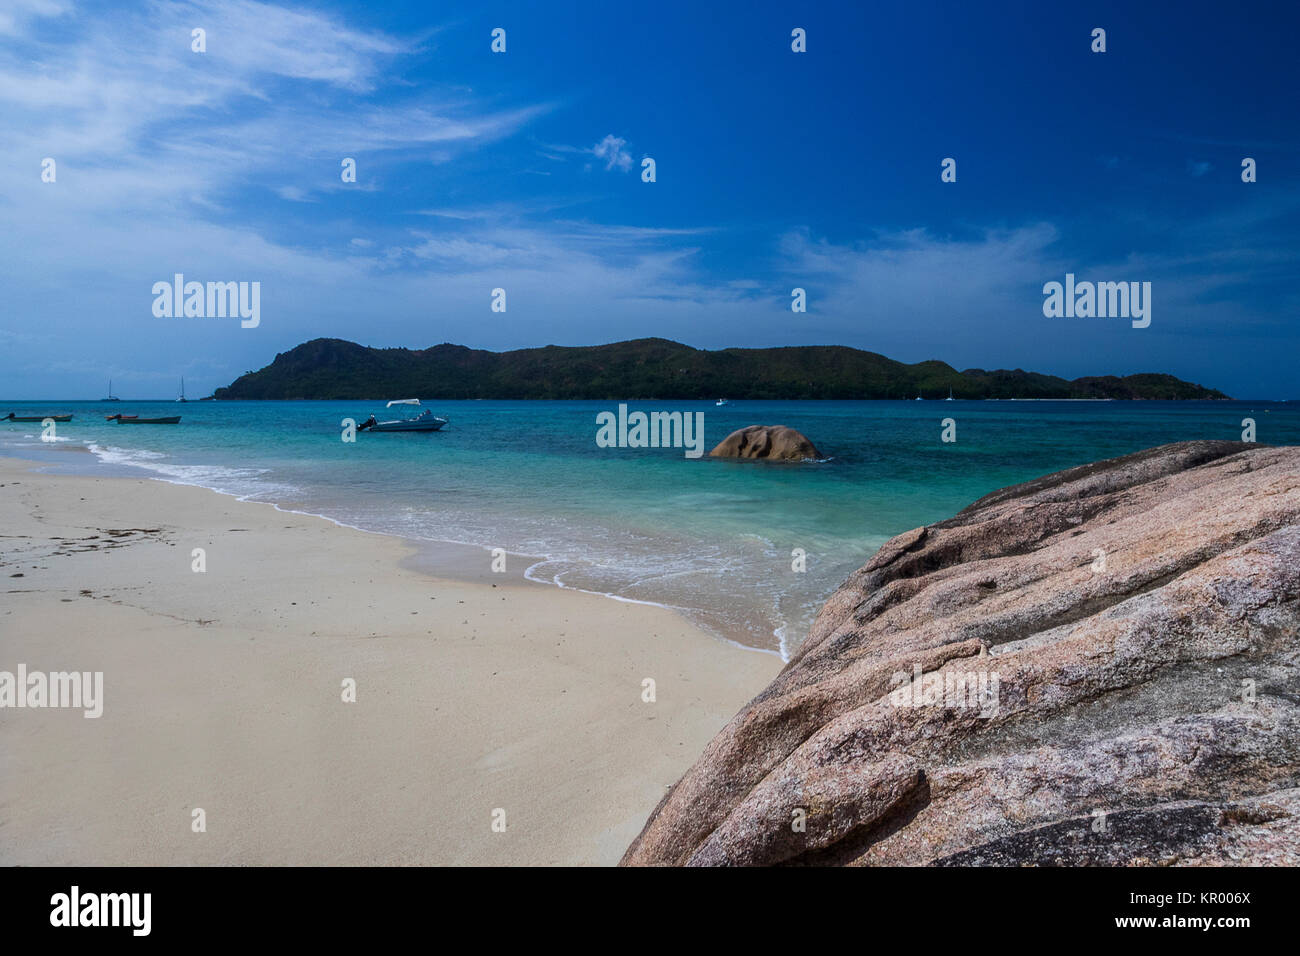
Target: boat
(137, 420)
(949, 398)
(111, 397)
(182, 398)
(720, 402)
(919, 398)
(11, 417)
(426, 421)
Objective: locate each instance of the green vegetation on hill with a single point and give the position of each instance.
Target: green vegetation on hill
(657, 368)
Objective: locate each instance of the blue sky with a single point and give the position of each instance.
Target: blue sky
(521, 171)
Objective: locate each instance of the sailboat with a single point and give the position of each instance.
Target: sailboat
(949, 398)
(111, 397)
(182, 398)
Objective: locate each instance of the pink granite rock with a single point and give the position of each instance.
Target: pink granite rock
(1110, 673)
(770, 442)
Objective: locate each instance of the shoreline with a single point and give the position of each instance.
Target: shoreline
(432, 556)
(726, 570)
(222, 691)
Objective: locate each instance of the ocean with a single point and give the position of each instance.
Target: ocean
(717, 540)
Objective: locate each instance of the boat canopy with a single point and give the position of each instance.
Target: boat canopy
(403, 401)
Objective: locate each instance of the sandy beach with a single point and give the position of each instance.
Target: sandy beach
(223, 691)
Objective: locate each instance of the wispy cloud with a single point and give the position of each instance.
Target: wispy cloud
(144, 121)
(293, 194)
(17, 14)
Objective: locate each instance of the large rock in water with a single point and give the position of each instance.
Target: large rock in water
(772, 442)
(1141, 616)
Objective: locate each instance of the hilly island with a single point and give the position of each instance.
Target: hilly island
(661, 369)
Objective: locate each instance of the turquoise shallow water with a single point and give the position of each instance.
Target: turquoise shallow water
(712, 538)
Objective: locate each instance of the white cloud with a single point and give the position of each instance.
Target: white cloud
(248, 38)
(613, 150)
(17, 14)
(293, 194)
(895, 272)
(139, 123)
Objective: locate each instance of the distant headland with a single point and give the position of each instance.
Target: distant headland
(661, 369)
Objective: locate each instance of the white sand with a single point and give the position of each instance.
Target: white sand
(223, 692)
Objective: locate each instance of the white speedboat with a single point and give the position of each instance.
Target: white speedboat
(720, 402)
(426, 421)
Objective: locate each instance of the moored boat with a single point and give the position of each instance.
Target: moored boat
(11, 417)
(426, 421)
(137, 420)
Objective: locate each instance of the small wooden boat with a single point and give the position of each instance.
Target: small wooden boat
(137, 420)
(11, 417)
